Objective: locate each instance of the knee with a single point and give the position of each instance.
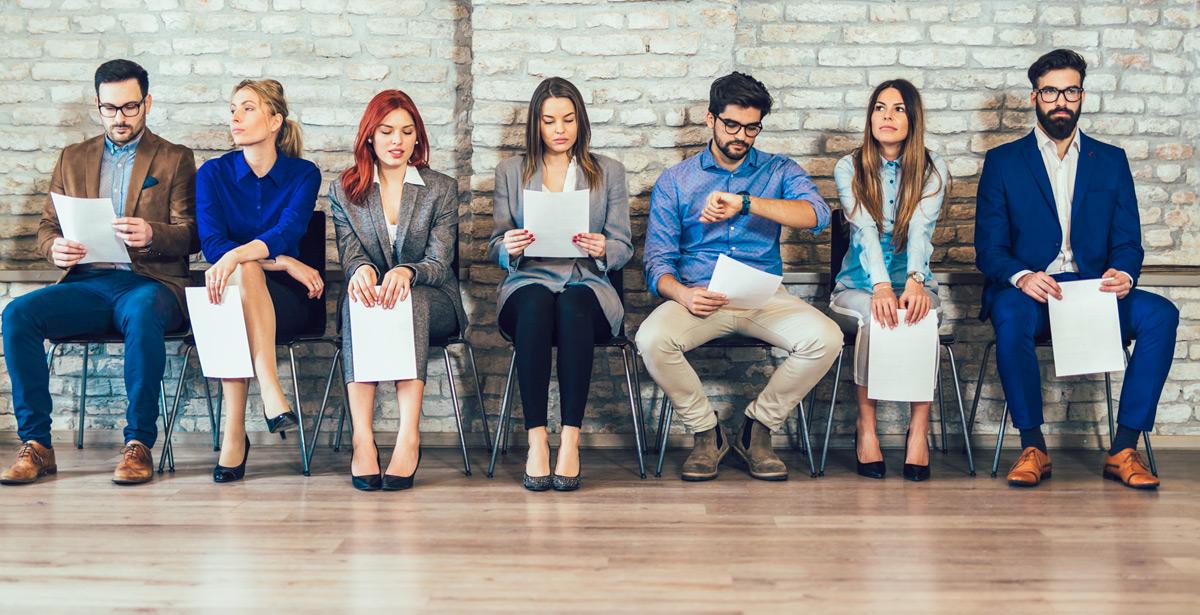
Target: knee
(17, 316)
(1162, 315)
(655, 341)
(826, 340)
(1014, 313)
(249, 272)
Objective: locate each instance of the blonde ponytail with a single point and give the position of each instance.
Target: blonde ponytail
(289, 140)
(270, 94)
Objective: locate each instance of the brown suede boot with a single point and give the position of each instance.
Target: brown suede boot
(136, 466)
(33, 462)
(759, 456)
(709, 448)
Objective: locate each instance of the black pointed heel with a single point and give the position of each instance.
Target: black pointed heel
(223, 474)
(282, 422)
(391, 482)
(912, 471)
(872, 469)
(369, 482)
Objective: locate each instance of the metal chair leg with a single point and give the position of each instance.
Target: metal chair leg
(807, 446)
(50, 358)
(668, 413)
(172, 416)
(305, 468)
(502, 423)
(316, 436)
(487, 432)
(82, 397)
(1150, 453)
(637, 385)
(1000, 440)
(941, 400)
(837, 376)
(962, 415)
(462, 438)
(662, 416)
(338, 360)
(510, 392)
(214, 424)
(634, 413)
(987, 351)
(1108, 399)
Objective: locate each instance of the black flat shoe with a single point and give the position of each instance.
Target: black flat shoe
(912, 471)
(391, 482)
(872, 469)
(282, 422)
(223, 474)
(565, 483)
(369, 482)
(537, 483)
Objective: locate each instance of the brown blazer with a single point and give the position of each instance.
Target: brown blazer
(162, 191)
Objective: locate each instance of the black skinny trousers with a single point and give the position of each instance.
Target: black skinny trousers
(536, 319)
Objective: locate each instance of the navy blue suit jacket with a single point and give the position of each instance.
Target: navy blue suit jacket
(1016, 221)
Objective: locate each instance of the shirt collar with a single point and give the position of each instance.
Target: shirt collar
(411, 176)
(890, 165)
(115, 150)
(243, 170)
(1044, 139)
(708, 161)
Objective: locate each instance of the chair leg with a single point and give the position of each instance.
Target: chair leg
(172, 415)
(487, 432)
(462, 438)
(82, 397)
(316, 436)
(837, 376)
(662, 416)
(214, 423)
(1000, 440)
(634, 412)
(305, 468)
(1108, 400)
(341, 428)
(962, 415)
(806, 446)
(668, 413)
(637, 385)
(502, 423)
(987, 351)
(1150, 453)
(510, 392)
(941, 401)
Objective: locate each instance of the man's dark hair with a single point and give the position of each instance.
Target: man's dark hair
(1059, 58)
(115, 71)
(738, 89)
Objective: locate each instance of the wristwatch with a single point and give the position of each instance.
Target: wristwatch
(745, 202)
(917, 277)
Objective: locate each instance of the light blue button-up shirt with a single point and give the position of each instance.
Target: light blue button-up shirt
(116, 166)
(872, 258)
(678, 243)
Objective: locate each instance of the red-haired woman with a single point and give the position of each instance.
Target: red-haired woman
(397, 225)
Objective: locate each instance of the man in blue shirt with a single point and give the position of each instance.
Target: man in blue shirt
(731, 199)
(152, 186)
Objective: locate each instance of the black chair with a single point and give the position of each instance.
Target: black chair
(632, 382)
(840, 244)
(1108, 398)
(312, 253)
(443, 343)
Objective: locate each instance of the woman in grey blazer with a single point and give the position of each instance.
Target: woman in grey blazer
(564, 302)
(397, 227)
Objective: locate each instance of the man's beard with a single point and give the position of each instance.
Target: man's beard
(1058, 128)
(111, 133)
(730, 154)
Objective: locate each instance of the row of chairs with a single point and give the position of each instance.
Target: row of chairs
(312, 252)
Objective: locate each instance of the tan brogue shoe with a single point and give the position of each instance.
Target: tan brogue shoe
(1031, 467)
(33, 462)
(1127, 466)
(136, 466)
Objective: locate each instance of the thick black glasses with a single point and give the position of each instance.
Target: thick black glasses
(732, 127)
(1049, 95)
(128, 109)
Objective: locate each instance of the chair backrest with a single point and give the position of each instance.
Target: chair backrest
(839, 243)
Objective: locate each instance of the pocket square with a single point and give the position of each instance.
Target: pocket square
(150, 181)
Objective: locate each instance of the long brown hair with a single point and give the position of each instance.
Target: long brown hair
(357, 180)
(916, 165)
(270, 94)
(557, 87)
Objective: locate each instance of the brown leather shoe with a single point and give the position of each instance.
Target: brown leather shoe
(33, 462)
(760, 458)
(137, 465)
(1127, 466)
(1031, 467)
(706, 456)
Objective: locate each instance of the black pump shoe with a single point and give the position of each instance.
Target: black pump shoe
(223, 474)
(369, 482)
(392, 482)
(281, 422)
(873, 469)
(912, 471)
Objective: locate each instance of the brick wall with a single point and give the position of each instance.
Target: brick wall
(644, 68)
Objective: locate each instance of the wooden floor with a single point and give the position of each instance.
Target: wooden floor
(835, 544)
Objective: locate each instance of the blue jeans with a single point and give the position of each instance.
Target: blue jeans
(1145, 317)
(89, 303)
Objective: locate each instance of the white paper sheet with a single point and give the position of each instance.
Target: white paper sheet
(555, 218)
(220, 332)
(743, 285)
(902, 362)
(90, 222)
(383, 342)
(1086, 330)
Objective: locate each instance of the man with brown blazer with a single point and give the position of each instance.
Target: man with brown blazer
(152, 184)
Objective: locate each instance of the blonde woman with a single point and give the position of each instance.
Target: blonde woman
(252, 208)
(891, 189)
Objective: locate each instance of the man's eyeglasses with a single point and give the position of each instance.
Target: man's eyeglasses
(732, 127)
(1049, 95)
(128, 109)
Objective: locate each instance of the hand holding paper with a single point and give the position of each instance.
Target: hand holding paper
(383, 341)
(90, 222)
(220, 332)
(743, 285)
(1086, 330)
(902, 361)
(555, 218)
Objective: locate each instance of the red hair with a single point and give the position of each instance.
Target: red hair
(357, 180)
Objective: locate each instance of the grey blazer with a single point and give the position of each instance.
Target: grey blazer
(426, 234)
(609, 215)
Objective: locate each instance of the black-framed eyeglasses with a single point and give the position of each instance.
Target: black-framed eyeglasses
(127, 109)
(732, 127)
(1049, 95)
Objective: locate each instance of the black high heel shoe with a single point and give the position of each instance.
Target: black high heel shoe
(223, 474)
(872, 469)
(369, 482)
(391, 482)
(281, 422)
(912, 471)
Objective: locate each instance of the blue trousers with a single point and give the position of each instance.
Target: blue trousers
(142, 310)
(1148, 318)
